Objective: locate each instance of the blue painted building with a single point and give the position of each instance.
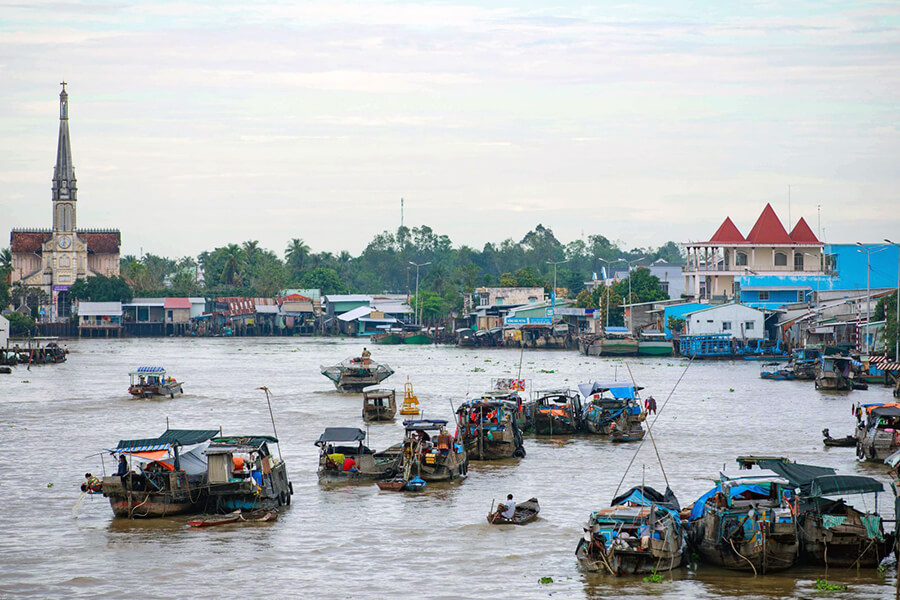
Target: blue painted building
(678, 311)
(845, 270)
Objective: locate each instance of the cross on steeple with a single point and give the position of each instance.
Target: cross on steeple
(63, 83)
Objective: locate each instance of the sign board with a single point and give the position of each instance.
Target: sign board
(61, 288)
(549, 312)
(528, 321)
(575, 312)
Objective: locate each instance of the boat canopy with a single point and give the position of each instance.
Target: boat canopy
(839, 485)
(798, 475)
(148, 371)
(172, 437)
(240, 443)
(341, 434)
(421, 424)
(885, 411)
(893, 460)
(378, 392)
(754, 477)
(646, 496)
(616, 387)
(699, 508)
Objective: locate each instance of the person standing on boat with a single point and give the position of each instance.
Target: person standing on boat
(123, 467)
(366, 354)
(651, 405)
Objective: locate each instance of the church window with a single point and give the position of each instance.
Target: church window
(740, 259)
(64, 217)
(780, 259)
(798, 261)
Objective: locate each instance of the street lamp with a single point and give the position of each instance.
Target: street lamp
(629, 263)
(897, 323)
(418, 316)
(868, 251)
(555, 263)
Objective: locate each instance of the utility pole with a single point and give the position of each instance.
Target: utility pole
(868, 251)
(553, 295)
(897, 322)
(418, 311)
(401, 212)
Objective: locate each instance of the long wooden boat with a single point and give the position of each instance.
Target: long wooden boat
(611, 405)
(557, 412)
(635, 434)
(147, 382)
(844, 442)
(877, 430)
(639, 533)
(429, 452)
(338, 444)
(526, 512)
(354, 374)
(236, 516)
(244, 473)
(654, 344)
(489, 429)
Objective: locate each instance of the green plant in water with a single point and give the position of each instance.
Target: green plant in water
(50, 485)
(544, 580)
(822, 584)
(654, 577)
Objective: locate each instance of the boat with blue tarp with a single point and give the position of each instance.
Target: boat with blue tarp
(641, 532)
(147, 382)
(611, 405)
(747, 522)
(243, 473)
(163, 476)
(776, 371)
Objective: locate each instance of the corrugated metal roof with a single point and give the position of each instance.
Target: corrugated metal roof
(99, 309)
(356, 313)
(178, 303)
(348, 298)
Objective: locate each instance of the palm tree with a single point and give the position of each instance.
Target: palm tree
(5, 264)
(233, 264)
(251, 251)
(296, 254)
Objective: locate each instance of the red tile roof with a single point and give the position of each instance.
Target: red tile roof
(28, 241)
(102, 243)
(768, 229)
(802, 234)
(728, 233)
(177, 303)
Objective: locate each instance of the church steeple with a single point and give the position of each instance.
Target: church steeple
(64, 187)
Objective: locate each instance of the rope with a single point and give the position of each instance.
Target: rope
(730, 541)
(649, 428)
(649, 425)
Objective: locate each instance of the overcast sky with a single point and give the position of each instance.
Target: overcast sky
(199, 123)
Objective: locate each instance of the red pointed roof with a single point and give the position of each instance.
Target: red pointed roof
(768, 229)
(728, 233)
(802, 234)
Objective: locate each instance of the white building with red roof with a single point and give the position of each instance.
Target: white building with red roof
(714, 267)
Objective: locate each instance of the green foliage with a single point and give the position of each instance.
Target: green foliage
(654, 577)
(886, 310)
(585, 299)
(431, 305)
(20, 325)
(100, 288)
(326, 280)
(28, 296)
(644, 287)
(508, 280)
(823, 585)
(675, 324)
(545, 580)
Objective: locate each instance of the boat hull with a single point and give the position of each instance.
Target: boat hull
(655, 349)
(418, 339)
(628, 562)
(840, 547)
(526, 512)
(610, 347)
(553, 426)
(778, 552)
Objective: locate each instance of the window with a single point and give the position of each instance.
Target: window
(798, 261)
(764, 295)
(748, 325)
(780, 259)
(532, 299)
(801, 296)
(727, 259)
(726, 325)
(500, 300)
(740, 259)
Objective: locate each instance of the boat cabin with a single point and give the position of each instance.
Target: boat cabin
(343, 457)
(244, 474)
(379, 404)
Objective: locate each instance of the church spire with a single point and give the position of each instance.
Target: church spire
(64, 188)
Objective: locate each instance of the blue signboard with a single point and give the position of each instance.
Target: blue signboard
(528, 321)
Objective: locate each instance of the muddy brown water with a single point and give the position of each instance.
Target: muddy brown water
(359, 542)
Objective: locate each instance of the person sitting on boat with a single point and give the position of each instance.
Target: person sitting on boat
(91, 484)
(350, 465)
(644, 534)
(508, 510)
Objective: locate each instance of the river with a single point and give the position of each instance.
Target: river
(359, 542)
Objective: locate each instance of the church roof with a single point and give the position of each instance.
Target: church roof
(728, 233)
(768, 229)
(98, 242)
(802, 234)
(28, 240)
(102, 242)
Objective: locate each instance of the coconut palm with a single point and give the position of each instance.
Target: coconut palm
(296, 255)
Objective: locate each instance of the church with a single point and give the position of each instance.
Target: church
(55, 258)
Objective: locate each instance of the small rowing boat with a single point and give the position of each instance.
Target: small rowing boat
(234, 517)
(844, 442)
(526, 512)
(633, 435)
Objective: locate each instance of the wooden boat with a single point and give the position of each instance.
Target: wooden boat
(489, 430)
(414, 338)
(526, 512)
(776, 372)
(654, 343)
(844, 442)
(338, 444)
(243, 473)
(640, 533)
(835, 534)
(617, 341)
(410, 406)
(379, 404)
(391, 337)
(611, 405)
(635, 434)
(877, 430)
(747, 522)
(429, 452)
(354, 374)
(170, 477)
(152, 381)
(557, 412)
(236, 516)
(395, 484)
(834, 373)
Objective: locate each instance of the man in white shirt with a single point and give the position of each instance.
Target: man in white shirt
(509, 510)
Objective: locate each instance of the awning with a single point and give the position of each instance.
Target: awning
(839, 485)
(596, 387)
(798, 475)
(885, 411)
(341, 434)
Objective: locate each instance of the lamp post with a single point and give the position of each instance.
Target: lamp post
(868, 251)
(897, 322)
(418, 316)
(606, 285)
(629, 263)
(555, 263)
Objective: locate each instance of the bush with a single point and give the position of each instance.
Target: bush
(20, 324)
